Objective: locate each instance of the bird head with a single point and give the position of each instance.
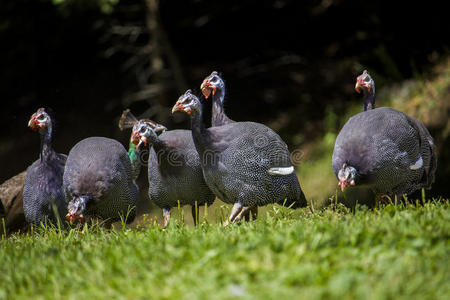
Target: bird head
(40, 120)
(145, 130)
(187, 103)
(76, 208)
(211, 84)
(364, 82)
(347, 176)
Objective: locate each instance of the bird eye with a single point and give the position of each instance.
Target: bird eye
(143, 130)
(41, 117)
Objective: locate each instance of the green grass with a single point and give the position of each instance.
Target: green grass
(393, 252)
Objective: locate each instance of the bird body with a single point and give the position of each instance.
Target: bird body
(383, 149)
(175, 173)
(98, 180)
(43, 189)
(43, 195)
(242, 157)
(237, 160)
(393, 153)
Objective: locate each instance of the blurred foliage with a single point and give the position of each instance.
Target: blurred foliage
(68, 6)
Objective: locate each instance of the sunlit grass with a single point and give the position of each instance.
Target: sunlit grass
(392, 252)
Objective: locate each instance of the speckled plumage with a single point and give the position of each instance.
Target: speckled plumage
(175, 173)
(43, 195)
(99, 168)
(384, 145)
(43, 189)
(236, 159)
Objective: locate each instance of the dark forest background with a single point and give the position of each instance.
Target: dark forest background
(286, 63)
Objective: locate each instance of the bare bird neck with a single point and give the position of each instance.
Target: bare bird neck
(46, 143)
(219, 116)
(199, 131)
(369, 99)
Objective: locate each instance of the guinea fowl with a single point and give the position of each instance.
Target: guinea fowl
(43, 195)
(244, 163)
(214, 84)
(98, 180)
(383, 149)
(174, 169)
(128, 120)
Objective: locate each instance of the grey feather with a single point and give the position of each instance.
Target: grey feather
(43, 189)
(175, 173)
(382, 144)
(99, 168)
(242, 154)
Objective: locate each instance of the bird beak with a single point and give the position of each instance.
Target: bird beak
(33, 123)
(75, 209)
(342, 184)
(135, 138)
(177, 107)
(73, 217)
(181, 107)
(207, 88)
(358, 86)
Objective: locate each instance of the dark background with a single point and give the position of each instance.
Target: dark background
(285, 62)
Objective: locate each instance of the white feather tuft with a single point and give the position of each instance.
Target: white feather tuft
(281, 171)
(418, 164)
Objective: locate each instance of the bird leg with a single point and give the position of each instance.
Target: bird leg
(378, 200)
(399, 199)
(237, 207)
(252, 213)
(166, 216)
(195, 213)
(244, 211)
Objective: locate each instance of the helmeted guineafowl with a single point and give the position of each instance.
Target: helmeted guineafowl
(214, 84)
(127, 121)
(98, 181)
(244, 163)
(383, 149)
(43, 195)
(174, 170)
